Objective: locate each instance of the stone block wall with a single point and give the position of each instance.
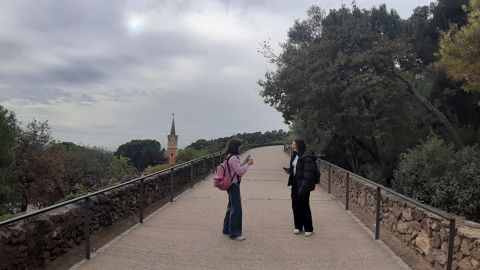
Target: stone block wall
(418, 230)
(36, 242)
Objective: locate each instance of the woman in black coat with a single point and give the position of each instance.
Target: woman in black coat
(303, 175)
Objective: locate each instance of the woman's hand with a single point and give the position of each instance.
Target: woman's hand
(250, 162)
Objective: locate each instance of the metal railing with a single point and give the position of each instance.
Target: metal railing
(87, 198)
(378, 197)
(216, 159)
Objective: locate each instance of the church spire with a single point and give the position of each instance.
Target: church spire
(172, 130)
(172, 143)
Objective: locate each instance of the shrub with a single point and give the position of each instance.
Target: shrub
(436, 174)
(154, 169)
(420, 168)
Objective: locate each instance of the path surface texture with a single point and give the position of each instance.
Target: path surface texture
(187, 233)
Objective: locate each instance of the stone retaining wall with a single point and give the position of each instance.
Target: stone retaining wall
(423, 233)
(34, 243)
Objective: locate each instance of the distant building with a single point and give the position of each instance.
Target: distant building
(172, 144)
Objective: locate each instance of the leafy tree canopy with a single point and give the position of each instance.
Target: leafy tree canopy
(460, 50)
(216, 145)
(142, 153)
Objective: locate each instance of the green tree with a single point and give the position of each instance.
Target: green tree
(460, 50)
(424, 30)
(434, 173)
(142, 153)
(425, 25)
(189, 153)
(38, 166)
(217, 145)
(291, 76)
(93, 167)
(8, 130)
(347, 94)
(210, 146)
(359, 89)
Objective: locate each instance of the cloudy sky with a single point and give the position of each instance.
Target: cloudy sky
(106, 72)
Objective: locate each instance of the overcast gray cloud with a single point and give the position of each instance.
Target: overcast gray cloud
(105, 72)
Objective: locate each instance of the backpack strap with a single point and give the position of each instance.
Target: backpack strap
(228, 167)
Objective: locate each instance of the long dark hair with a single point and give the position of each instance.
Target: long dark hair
(301, 146)
(233, 147)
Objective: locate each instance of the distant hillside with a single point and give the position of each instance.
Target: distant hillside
(219, 144)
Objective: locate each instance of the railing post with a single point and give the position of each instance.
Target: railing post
(191, 174)
(451, 241)
(378, 213)
(319, 163)
(86, 228)
(213, 163)
(347, 192)
(205, 168)
(142, 199)
(171, 184)
(329, 178)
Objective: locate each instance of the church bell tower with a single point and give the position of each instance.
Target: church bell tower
(172, 143)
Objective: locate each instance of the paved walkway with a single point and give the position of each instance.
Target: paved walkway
(186, 234)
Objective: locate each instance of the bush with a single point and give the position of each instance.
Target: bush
(154, 169)
(9, 216)
(463, 182)
(436, 174)
(187, 154)
(420, 168)
(77, 191)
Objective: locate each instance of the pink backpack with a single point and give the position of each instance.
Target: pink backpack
(223, 179)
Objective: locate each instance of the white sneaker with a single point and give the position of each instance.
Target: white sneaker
(239, 238)
(296, 231)
(308, 234)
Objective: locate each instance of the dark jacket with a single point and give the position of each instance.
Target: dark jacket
(307, 174)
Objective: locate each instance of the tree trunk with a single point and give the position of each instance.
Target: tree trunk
(429, 106)
(351, 154)
(24, 201)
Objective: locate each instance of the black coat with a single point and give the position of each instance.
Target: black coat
(307, 174)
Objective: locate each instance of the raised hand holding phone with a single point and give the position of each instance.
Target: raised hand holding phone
(247, 159)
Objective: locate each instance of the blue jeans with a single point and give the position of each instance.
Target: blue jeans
(232, 224)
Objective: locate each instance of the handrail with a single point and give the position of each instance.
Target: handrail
(436, 211)
(378, 195)
(141, 192)
(88, 195)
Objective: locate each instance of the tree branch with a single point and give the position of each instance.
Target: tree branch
(267, 52)
(411, 89)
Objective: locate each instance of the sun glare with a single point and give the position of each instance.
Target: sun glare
(135, 23)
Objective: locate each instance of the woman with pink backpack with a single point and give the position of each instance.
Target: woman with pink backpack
(232, 223)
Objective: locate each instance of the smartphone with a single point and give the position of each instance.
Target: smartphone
(246, 159)
(286, 169)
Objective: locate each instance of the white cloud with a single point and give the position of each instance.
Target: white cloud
(216, 24)
(105, 72)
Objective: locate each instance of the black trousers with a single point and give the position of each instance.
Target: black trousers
(302, 216)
